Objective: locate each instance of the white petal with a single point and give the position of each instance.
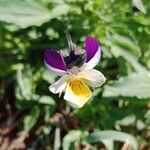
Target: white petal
(77, 93)
(92, 77)
(60, 85)
(93, 62)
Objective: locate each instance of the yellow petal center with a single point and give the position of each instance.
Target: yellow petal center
(77, 92)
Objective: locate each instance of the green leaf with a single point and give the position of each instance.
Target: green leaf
(126, 121)
(49, 76)
(147, 117)
(27, 13)
(59, 10)
(46, 100)
(25, 87)
(129, 57)
(70, 138)
(126, 42)
(31, 119)
(142, 19)
(109, 144)
(122, 46)
(110, 135)
(135, 85)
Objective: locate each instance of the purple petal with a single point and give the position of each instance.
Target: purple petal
(54, 61)
(91, 47)
(93, 53)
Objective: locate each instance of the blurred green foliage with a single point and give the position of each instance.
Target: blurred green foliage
(28, 27)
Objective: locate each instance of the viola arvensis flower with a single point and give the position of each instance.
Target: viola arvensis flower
(76, 70)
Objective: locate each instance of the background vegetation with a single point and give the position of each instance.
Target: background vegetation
(118, 115)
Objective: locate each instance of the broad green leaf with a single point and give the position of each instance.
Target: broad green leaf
(126, 42)
(134, 85)
(128, 56)
(110, 135)
(126, 48)
(59, 10)
(27, 13)
(31, 119)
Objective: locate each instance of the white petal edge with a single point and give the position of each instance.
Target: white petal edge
(93, 62)
(76, 103)
(59, 85)
(58, 71)
(92, 77)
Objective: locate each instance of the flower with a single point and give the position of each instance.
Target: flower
(76, 71)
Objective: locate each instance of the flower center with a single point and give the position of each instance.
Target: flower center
(76, 57)
(79, 88)
(74, 70)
